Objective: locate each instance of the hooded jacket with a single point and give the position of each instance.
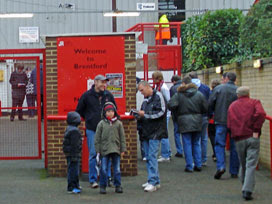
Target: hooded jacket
(72, 143)
(90, 106)
(189, 105)
(110, 134)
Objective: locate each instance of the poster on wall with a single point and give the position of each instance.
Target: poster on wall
(80, 59)
(115, 84)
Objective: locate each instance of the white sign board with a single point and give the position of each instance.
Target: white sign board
(28, 34)
(146, 6)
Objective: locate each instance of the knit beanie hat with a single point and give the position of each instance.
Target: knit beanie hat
(108, 107)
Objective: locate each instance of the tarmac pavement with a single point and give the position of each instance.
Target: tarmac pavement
(27, 182)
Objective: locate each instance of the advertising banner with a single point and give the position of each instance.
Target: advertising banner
(80, 59)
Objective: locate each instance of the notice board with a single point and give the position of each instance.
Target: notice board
(80, 59)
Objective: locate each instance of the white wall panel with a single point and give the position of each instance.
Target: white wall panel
(215, 4)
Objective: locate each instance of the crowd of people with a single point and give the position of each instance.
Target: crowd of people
(192, 104)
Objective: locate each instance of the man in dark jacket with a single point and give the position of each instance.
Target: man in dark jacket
(90, 106)
(189, 105)
(153, 116)
(72, 145)
(176, 80)
(245, 119)
(219, 102)
(205, 90)
(18, 80)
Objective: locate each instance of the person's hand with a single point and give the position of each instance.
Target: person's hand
(122, 153)
(141, 113)
(255, 134)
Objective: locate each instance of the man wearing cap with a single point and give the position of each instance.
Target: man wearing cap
(245, 119)
(90, 107)
(18, 80)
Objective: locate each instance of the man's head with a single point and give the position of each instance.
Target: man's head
(224, 78)
(231, 76)
(186, 80)
(175, 79)
(215, 83)
(20, 68)
(193, 75)
(242, 91)
(145, 88)
(157, 76)
(100, 83)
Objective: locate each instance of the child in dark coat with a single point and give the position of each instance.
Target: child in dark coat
(72, 145)
(110, 144)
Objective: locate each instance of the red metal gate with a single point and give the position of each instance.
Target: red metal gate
(20, 139)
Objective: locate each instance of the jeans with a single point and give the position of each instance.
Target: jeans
(234, 159)
(72, 173)
(151, 151)
(220, 143)
(177, 138)
(30, 99)
(165, 145)
(92, 156)
(192, 150)
(105, 161)
(204, 139)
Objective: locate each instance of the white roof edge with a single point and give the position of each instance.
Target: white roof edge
(87, 34)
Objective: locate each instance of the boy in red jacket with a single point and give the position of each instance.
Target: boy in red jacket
(245, 119)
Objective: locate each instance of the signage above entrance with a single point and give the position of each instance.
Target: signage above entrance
(80, 59)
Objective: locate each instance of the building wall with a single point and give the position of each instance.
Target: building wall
(215, 4)
(259, 81)
(86, 18)
(56, 128)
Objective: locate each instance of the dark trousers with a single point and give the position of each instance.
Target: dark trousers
(211, 133)
(17, 102)
(72, 173)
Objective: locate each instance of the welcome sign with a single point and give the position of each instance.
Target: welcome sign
(80, 59)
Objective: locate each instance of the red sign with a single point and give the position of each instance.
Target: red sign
(80, 59)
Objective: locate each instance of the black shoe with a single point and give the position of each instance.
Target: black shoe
(188, 170)
(247, 195)
(11, 119)
(103, 190)
(118, 189)
(234, 176)
(219, 173)
(197, 168)
(179, 155)
(214, 158)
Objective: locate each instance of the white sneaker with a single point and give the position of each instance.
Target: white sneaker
(94, 185)
(162, 159)
(144, 159)
(150, 188)
(146, 184)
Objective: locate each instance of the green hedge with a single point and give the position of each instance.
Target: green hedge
(256, 30)
(211, 39)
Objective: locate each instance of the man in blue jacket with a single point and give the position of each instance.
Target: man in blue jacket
(90, 107)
